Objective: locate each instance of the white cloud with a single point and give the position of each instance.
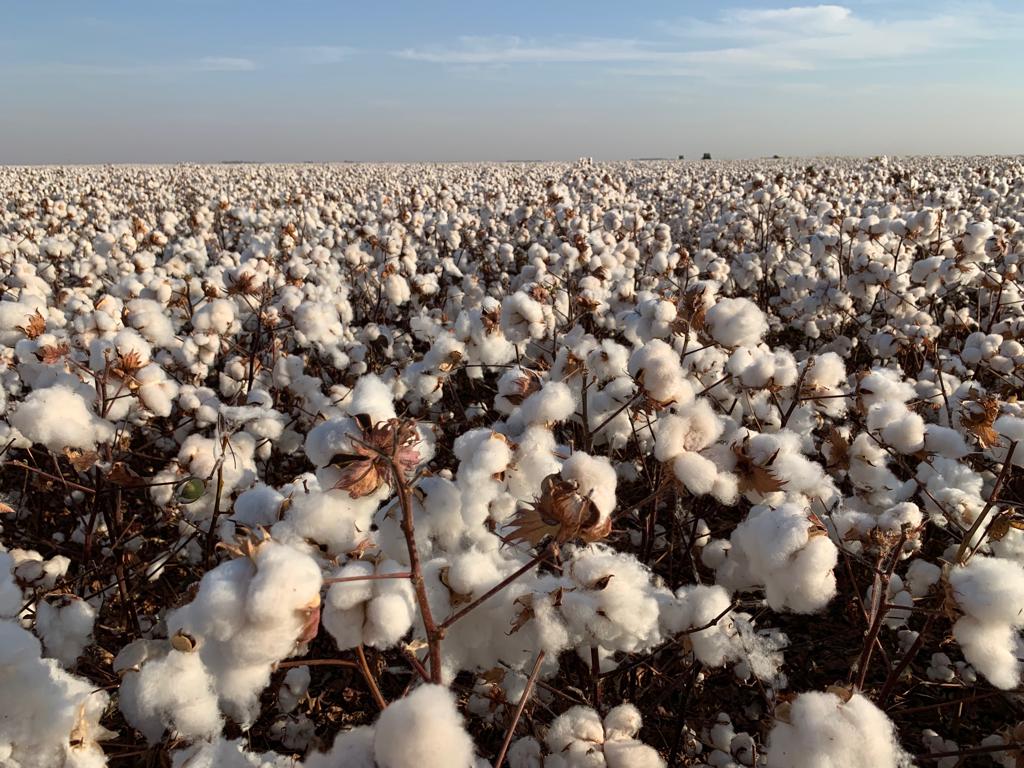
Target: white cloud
(779, 39)
(319, 54)
(224, 64)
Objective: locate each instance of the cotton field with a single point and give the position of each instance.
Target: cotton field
(540, 465)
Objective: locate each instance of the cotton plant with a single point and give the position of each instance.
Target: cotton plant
(614, 414)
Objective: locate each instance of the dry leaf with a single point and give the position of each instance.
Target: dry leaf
(977, 416)
(35, 327)
(754, 476)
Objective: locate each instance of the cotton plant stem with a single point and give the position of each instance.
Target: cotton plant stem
(371, 680)
(963, 554)
(496, 588)
(434, 634)
(531, 680)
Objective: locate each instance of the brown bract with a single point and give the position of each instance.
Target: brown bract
(561, 512)
(977, 417)
(374, 451)
(753, 476)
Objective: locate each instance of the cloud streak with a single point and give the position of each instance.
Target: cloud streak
(797, 38)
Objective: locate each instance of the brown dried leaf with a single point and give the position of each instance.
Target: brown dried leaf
(123, 475)
(840, 450)
(82, 461)
(35, 327)
(977, 416)
(53, 353)
(753, 476)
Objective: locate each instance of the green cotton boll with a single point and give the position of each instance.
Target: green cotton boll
(191, 490)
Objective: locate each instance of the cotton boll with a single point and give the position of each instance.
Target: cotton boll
(372, 397)
(423, 730)
(174, 692)
(248, 615)
(552, 404)
(656, 368)
(781, 549)
(994, 649)
(595, 478)
(990, 589)
(736, 322)
(58, 417)
(921, 576)
(351, 749)
(821, 729)
(50, 717)
(65, 627)
(696, 473)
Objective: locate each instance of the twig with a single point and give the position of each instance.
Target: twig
(519, 710)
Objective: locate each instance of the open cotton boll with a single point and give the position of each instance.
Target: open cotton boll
(695, 472)
(990, 591)
(783, 550)
(332, 519)
(578, 738)
(173, 691)
(373, 612)
(48, 717)
(249, 614)
(693, 427)
(65, 626)
(552, 404)
(611, 600)
(595, 478)
(423, 730)
(656, 368)
(736, 322)
(898, 427)
(227, 753)
(59, 417)
(372, 397)
(351, 749)
(820, 729)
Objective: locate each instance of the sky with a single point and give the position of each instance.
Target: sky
(311, 80)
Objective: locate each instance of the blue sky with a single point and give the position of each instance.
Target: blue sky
(209, 80)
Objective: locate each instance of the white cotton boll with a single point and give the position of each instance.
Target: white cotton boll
(372, 397)
(174, 692)
(59, 417)
(525, 753)
(49, 717)
(332, 519)
(65, 627)
(608, 360)
(630, 753)
(944, 441)
(622, 722)
(595, 477)
(1010, 427)
(552, 404)
(990, 589)
(775, 547)
(577, 724)
(895, 517)
(898, 427)
(695, 472)
(294, 688)
(656, 367)
(921, 576)
(329, 438)
(693, 427)
(821, 730)
(152, 320)
(423, 730)
(736, 322)
(248, 615)
(994, 649)
(351, 749)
